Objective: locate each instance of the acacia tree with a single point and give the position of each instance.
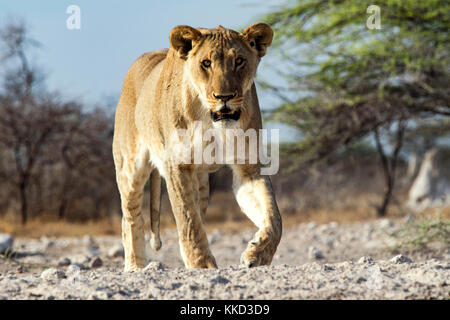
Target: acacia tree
(346, 82)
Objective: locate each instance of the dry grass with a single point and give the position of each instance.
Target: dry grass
(223, 213)
(37, 228)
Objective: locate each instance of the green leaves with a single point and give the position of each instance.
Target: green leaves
(399, 71)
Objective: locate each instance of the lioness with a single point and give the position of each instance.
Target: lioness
(207, 75)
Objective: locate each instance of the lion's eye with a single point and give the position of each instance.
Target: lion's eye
(206, 63)
(239, 61)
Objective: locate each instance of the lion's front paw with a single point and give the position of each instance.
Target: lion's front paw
(133, 266)
(252, 257)
(206, 261)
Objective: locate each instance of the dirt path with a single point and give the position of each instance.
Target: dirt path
(332, 261)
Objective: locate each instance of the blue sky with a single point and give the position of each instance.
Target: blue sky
(91, 63)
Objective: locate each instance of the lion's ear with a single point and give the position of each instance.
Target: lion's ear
(259, 36)
(182, 38)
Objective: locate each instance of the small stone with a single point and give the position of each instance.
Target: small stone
(106, 294)
(219, 280)
(91, 245)
(361, 279)
(365, 260)
(47, 242)
(53, 274)
(311, 225)
(401, 259)
(153, 266)
(447, 255)
(6, 242)
(101, 295)
(328, 268)
(176, 285)
(385, 223)
(330, 242)
(89, 241)
(86, 259)
(93, 251)
(76, 267)
(73, 268)
(96, 262)
(34, 295)
(315, 253)
(116, 252)
(64, 262)
(333, 224)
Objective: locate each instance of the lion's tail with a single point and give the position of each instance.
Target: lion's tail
(155, 208)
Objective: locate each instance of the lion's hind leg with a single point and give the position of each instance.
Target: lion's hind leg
(155, 208)
(132, 174)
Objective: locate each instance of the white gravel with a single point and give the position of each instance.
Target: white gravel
(6, 242)
(355, 262)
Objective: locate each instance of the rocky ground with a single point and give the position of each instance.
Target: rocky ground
(332, 261)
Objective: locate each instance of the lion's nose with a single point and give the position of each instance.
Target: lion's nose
(224, 97)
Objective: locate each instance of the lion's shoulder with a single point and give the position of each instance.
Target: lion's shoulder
(143, 66)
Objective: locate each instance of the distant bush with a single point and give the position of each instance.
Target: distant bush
(55, 158)
(423, 232)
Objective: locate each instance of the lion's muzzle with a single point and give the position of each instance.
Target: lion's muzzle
(226, 114)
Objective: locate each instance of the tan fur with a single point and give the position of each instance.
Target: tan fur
(169, 90)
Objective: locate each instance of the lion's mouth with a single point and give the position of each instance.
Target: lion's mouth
(226, 114)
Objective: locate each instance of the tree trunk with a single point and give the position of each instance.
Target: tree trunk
(62, 209)
(64, 196)
(389, 165)
(382, 210)
(23, 202)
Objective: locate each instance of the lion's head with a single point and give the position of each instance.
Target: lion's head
(221, 64)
